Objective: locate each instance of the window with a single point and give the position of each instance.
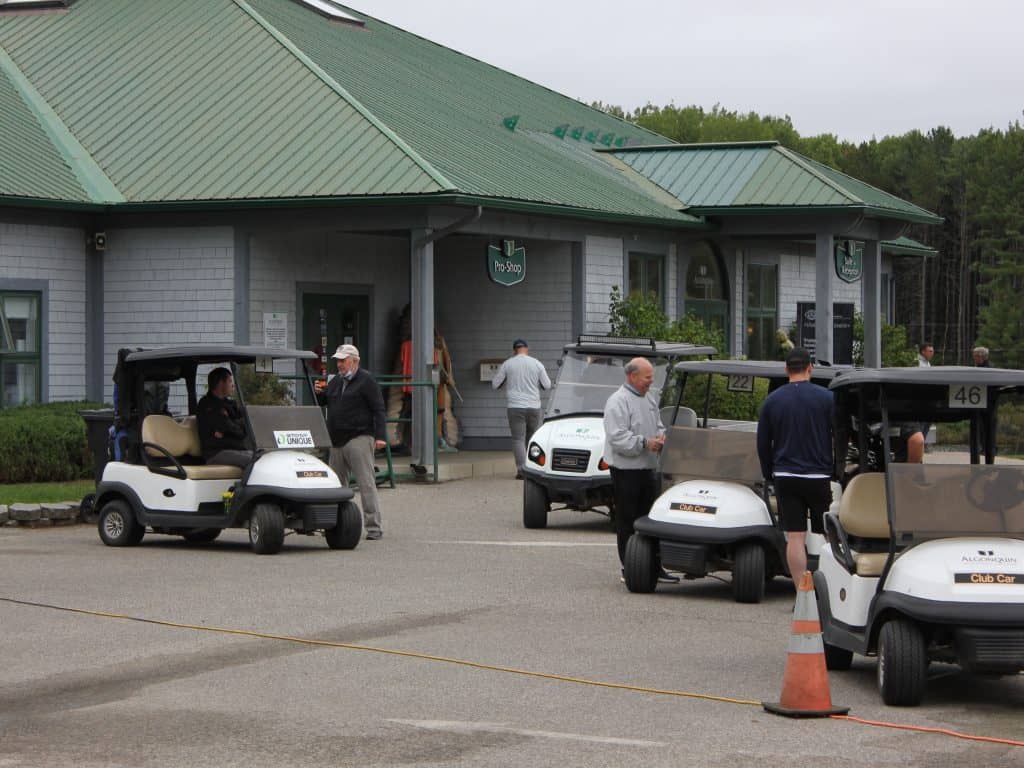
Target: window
(762, 310)
(707, 293)
(647, 276)
(20, 348)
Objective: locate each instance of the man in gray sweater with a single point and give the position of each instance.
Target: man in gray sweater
(523, 377)
(633, 437)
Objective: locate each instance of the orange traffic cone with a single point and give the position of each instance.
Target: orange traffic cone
(805, 684)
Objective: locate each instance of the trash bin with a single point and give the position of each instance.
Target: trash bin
(97, 435)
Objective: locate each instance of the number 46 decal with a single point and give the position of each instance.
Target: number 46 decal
(968, 396)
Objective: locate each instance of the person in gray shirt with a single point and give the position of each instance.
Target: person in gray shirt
(523, 377)
(634, 437)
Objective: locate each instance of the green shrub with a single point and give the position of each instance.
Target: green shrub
(897, 351)
(44, 443)
(264, 388)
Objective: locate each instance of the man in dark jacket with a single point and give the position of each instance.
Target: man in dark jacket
(355, 421)
(222, 434)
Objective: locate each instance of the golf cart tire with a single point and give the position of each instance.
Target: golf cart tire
(748, 573)
(266, 529)
(346, 534)
(837, 659)
(902, 663)
(535, 505)
(118, 526)
(201, 535)
(641, 565)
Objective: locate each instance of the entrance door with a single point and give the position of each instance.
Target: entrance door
(337, 319)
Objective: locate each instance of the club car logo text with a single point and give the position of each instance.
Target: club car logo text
(988, 578)
(298, 438)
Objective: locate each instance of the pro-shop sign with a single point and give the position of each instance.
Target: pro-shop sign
(849, 260)
(506, 264)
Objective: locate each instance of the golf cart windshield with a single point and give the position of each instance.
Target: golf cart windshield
(288, 427)
(586, 381)
(711, 454)
(944, 501)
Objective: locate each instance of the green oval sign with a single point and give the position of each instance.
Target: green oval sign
(506, 265)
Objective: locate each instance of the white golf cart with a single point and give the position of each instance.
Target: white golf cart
(158, 480)
(564, 458)
(719, 515)
(926, 561)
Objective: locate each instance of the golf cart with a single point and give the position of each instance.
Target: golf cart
(565, 463)
(926, 561)
(156, 478)
(718, 515)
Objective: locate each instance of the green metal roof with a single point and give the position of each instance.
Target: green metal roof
(31, 166)
(907, 246)
(759, 177)
(233, 100)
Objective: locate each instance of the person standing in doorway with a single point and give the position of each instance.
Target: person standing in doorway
(355, 421)
(523, 377)
(633, 437)
(925, 353)
(794, 445)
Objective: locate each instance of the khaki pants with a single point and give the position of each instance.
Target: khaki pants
(356, 457)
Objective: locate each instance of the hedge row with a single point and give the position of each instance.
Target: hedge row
(44, 443)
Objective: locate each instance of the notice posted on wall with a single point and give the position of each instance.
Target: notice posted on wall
(275, 330)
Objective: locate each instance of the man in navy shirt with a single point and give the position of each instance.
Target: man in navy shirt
(794, 444)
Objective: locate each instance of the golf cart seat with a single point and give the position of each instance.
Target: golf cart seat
(687, 417)
(181, 440)
(863, 517)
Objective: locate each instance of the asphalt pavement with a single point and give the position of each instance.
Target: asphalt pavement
(455, 576)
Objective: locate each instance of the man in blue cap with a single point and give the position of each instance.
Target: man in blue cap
(523, 377)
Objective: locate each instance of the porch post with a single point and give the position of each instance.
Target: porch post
(872, 304)
(824, 260)
(421, 290)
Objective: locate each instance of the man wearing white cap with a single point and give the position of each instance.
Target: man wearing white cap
(355, 421)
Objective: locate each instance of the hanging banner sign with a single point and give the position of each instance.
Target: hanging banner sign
(849, 260)
(506, 265)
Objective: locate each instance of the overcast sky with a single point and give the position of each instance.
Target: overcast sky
(855, 69)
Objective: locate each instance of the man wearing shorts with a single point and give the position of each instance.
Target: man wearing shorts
(794, 444)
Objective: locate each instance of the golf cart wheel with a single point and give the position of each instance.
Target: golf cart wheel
(641, 567)
(201, 535)
(266, 529)
(902, 663)
(837, 659)
(535, 505)
(346, 534)
(117, 525)
(748, 573)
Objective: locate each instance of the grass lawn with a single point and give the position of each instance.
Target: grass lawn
(30, 493)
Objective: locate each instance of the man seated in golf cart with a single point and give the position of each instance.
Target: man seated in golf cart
(221, 423)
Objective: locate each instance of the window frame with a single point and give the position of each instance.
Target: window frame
(646, 258)
(760, 312)
(35, 357)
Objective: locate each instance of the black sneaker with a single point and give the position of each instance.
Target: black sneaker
(667, 578)
(375, 536)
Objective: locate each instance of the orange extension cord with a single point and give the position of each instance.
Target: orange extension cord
(495, 668)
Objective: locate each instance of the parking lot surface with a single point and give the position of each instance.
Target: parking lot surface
(455, 576)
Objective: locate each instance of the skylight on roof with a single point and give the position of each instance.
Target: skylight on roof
(331, 10)
(21, 4)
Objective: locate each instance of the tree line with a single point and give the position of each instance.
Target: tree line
(973, 291)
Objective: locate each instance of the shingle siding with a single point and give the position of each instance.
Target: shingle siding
(55, 255)
(480, 320)
(167, 286)
(602, 269)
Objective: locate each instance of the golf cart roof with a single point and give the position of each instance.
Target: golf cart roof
(216, 354)
(764, 369)
(638, 347)
(940, 376)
